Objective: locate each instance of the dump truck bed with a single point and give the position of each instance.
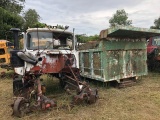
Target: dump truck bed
(120, 53)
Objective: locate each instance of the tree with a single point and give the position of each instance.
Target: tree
(120, 18)
(156, 24)
(13, 6)
(84, 38)
(31, 18)
(7, 21)
(9, 17)
(39, 25)
(60, 27)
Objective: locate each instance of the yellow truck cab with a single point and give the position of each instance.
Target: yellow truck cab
(5, 47)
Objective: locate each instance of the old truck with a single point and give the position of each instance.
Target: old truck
(119, 55)
(5, 48)
(153, 53)
(46, 51)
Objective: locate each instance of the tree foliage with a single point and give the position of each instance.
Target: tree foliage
(120, 18)
(61, 27)
(31, 18)
(8, 20)
(13, 6)
(156, 24)
(84, 38)
(9, 17)
(39, 25)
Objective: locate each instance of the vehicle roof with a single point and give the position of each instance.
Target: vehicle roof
(48, 30)
(4, 41)
(129, 32)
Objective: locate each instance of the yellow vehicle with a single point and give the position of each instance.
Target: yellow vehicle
(5, 47)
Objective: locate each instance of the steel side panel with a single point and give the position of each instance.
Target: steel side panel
(116, 60)
(129, 32)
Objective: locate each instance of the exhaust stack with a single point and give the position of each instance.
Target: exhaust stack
(15, 37)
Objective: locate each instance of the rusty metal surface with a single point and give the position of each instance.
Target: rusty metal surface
(114, 59)
(129, 32)
(21, 107)
(55, 30)
(127, 83)
(55, 58)
(71, 78)
(125, 64)
(86, 62)
(53, 63)
(97, 63)
(31, 98)
(153, 53)
(120, 54)
(87, 94)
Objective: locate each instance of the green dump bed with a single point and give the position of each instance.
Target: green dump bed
(120, 53)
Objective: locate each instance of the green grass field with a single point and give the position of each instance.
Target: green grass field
(139, 102)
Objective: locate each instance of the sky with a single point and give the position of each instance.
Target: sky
(91, 16)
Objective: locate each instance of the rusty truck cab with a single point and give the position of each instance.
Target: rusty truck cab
(153, 52)
(49, 47)
(45, 52)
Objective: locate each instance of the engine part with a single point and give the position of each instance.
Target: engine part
(71, 80)
(87, 94)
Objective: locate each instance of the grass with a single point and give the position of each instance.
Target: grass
(139, 102)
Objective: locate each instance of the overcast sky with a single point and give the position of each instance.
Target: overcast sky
(91, 16)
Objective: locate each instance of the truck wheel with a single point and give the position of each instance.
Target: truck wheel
(21, 107)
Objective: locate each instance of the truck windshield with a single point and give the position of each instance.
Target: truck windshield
(49, 40)
(156, 41)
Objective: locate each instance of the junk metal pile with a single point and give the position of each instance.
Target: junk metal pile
(46, 51)
(119, 55)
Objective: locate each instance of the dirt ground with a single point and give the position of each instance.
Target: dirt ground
(139, 102)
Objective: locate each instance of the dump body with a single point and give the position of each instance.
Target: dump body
(119, 54)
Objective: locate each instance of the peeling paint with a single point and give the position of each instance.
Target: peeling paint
(116, 58)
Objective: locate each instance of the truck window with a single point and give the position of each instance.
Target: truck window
(48, 40)
(44, 38)
(156, 41)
